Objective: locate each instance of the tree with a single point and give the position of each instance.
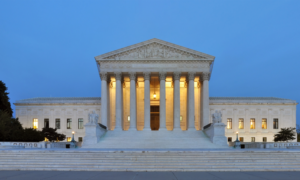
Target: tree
(52, 135)
(10, 128)
(4, 100)
(32, 135)
(285, 134)
(298, 132)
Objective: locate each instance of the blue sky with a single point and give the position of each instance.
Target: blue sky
(47, 48)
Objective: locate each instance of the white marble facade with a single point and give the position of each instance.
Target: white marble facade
(156, 73)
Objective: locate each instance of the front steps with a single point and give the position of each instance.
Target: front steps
(197, 160)
(155, 140)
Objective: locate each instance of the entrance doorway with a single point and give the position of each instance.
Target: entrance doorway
(154, 122)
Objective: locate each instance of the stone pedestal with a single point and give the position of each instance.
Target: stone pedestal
(93, 132)
(216, 133)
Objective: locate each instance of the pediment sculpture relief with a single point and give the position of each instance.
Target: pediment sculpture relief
(154, 51)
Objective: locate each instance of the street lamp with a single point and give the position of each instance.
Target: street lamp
(73, 142)
(237, 143)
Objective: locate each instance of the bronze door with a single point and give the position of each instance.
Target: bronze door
(154, 121)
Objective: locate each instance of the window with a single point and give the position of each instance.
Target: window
(69, 123)
(57, 123)
(264, 123)
(229, 139)
(241, 139)
(241, 123)
(79, 139)
(69, 139)
(229, 123)
(35, 123)
(80, 123)
(264, 139)
(252, 139)
(46, 123)
(252, 123)
(275, 123)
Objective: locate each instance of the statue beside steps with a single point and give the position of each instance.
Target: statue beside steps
(93, 131)
(216, 130)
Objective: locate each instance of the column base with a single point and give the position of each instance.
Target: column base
(177, 129)
(132, 129)
(147, 129)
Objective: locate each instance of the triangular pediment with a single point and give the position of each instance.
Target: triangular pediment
(154, 49)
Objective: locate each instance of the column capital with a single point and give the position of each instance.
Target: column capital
(146, 75)
(205, 76)
(132, 75)
(191, 75)
(103, 76)
(162, 75)
(118, 75)
(176, 75)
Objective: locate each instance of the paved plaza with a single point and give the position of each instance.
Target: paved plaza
(86, 175)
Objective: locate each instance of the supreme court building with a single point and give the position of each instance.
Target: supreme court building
(156, 90)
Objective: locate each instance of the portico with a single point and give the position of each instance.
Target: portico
(154, 85)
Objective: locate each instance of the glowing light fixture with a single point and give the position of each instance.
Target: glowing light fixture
(154, 96)
(128, 118)
(73, 132)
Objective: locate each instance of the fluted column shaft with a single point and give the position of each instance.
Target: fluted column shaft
(176, 101)
(103, 76)
(205, 100)
(118, 101)
(162, 101)
(147, 101)
(132, 101)
(191, 105)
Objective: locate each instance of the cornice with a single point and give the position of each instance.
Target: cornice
(153, 61)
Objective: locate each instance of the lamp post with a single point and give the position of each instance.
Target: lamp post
(73, 142)
(237, 143)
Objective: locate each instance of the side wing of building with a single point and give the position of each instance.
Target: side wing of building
(254, 118)
(65, 114)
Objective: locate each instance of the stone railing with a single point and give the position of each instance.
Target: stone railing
(266, 145)
(24, 144)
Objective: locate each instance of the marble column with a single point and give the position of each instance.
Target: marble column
(162, 101)
(176, 111)
(205, 100)
(147, 101)
(133, 122)
(191, 101)
(103, 76)
(118, 101)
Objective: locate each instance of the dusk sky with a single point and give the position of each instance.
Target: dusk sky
(47, 48)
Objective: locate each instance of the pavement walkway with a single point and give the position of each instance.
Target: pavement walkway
(112, 175)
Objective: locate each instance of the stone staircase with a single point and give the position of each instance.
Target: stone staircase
(155, 140)
(159, 160)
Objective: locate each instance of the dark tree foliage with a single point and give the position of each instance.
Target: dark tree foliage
(285, 134)
(32, 135)
(4, 100)
(52, 135)
(10, 128)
